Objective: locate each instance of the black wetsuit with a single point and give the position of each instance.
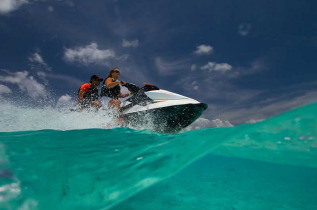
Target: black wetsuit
(111, 92)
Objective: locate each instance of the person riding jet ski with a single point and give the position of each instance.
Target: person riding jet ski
(111, 88)
(151, 107)
(88, 94)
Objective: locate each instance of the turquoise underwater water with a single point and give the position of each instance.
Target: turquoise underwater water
(268, 165)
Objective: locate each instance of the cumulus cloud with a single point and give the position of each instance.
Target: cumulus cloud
(220, 67)
(204, 50)
(89, 54)
(133, 43)
(25, 83)
(4, 89)
(65, 100)
(7, 6)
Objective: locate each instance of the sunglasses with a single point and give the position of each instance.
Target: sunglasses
(116, 71)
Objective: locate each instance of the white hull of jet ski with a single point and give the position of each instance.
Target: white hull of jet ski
(166, 111)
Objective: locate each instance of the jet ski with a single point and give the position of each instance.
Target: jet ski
(159, 110)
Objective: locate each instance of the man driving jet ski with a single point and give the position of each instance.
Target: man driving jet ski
(88, 94)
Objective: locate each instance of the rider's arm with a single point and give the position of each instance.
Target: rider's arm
(80, 96)
(110, 84)
(121, 95)
(83, 89)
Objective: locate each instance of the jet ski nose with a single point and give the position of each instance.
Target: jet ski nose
(203, 105)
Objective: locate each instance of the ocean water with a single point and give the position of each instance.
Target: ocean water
(54, 159)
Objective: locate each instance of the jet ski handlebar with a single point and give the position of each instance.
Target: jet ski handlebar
(135, 89)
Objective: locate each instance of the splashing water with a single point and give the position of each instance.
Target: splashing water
(24, 118)
(18, 118)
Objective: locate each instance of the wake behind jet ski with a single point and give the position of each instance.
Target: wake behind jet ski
(162, 110)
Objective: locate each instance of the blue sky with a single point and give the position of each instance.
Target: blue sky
(248, 60)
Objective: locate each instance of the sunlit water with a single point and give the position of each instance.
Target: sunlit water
(82, 163)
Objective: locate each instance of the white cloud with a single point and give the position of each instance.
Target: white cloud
(42, 75)
(244, 29)
(133, 43)
(37, 58)
(89, 54)
(50, 8)
(4, 89)
(195, 85)
(238, 104)
(25, 83)
(65, 100)
(201, 123)
(37, 62)
(7, 6)
(204, 50)
(212, 66)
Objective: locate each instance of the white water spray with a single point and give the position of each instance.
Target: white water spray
(22, 118)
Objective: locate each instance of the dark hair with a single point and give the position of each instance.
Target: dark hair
(111, 71)
(95, 77)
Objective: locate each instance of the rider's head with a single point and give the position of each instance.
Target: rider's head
(95, 80)
(114, 73)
